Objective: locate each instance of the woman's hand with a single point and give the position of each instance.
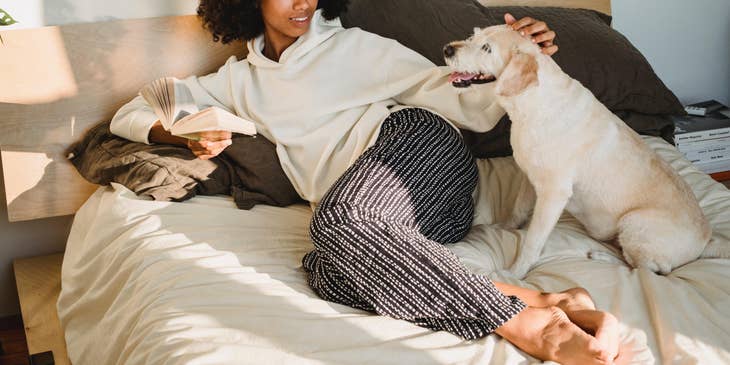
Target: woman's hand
(574, 299)
(535, 30)
(210, 144)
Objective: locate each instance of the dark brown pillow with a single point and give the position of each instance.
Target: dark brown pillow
(590, 51)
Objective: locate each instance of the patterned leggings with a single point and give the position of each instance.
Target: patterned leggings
(379, 232)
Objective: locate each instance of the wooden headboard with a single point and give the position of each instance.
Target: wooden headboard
(57, 82)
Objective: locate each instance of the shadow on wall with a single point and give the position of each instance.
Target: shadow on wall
(48, 234)
(79, 93)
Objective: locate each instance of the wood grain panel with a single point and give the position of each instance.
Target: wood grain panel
(59, 81)
(39, 282)
(603, 6)
(41, 184)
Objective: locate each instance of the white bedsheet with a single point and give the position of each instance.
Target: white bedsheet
(201, 282)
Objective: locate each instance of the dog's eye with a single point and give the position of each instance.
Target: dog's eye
(487, 48)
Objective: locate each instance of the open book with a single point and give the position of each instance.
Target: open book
(173, 103)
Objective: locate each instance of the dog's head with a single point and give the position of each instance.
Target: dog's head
(496, 53)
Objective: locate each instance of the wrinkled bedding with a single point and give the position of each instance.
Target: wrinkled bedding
(201, 282)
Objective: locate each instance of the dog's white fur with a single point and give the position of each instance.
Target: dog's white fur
(579, 156)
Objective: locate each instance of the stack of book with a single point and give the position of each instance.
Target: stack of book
(704, 138)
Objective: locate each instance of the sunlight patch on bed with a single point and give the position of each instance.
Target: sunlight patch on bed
(691, 348)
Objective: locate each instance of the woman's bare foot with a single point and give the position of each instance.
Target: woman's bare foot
(575, 299)
(604, 326)
(626, 355)
(548, 334)
(572, 299)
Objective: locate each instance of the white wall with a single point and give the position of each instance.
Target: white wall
(47, 236)
(37, 13)
(687, 43)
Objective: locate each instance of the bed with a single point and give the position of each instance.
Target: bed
(201, 282)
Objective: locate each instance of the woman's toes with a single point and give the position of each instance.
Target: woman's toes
(576, 299)
(608, 334)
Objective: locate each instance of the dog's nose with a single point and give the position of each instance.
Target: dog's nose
(449, 51)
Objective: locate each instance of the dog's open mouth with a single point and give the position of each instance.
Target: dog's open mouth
(466, 79)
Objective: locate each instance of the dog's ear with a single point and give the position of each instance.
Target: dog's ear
(520, 73)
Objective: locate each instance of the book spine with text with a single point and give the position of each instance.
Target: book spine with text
(701, 135)
(706, 156)
(711, 167)
(708, 153)
(704, 143)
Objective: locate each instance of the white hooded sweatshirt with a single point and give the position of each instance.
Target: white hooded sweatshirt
(323, 103)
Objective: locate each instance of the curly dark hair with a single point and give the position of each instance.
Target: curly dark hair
(230, 20)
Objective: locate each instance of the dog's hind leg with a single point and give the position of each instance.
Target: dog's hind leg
(523, 205)
(551, 200)
(651, 239)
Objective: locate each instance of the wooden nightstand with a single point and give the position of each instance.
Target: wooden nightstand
(39, 283)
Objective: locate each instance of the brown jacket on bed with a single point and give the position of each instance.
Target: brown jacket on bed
(248, 170)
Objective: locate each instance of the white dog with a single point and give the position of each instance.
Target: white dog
(579, 156)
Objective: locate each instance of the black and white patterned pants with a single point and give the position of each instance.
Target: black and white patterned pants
(379, 232)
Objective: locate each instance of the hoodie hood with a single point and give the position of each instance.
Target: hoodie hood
(319, 31)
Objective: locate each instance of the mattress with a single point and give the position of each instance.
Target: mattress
(201, 282)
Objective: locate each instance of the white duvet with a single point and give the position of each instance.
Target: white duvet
(202, 282)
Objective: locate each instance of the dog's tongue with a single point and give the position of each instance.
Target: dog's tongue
(461, 76)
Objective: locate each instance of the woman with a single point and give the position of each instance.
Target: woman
(392, 182)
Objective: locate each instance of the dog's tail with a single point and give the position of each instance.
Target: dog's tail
(716, 249)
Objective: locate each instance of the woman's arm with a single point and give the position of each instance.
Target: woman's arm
(415, 81)
(209, 144)
(158, 134)
(134, 120)
(137, 122)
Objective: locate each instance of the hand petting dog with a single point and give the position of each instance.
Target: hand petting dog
(535, 30)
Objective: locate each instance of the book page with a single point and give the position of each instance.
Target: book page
(212, 119)
(154, 94)
(170, 99)
(183, 101)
